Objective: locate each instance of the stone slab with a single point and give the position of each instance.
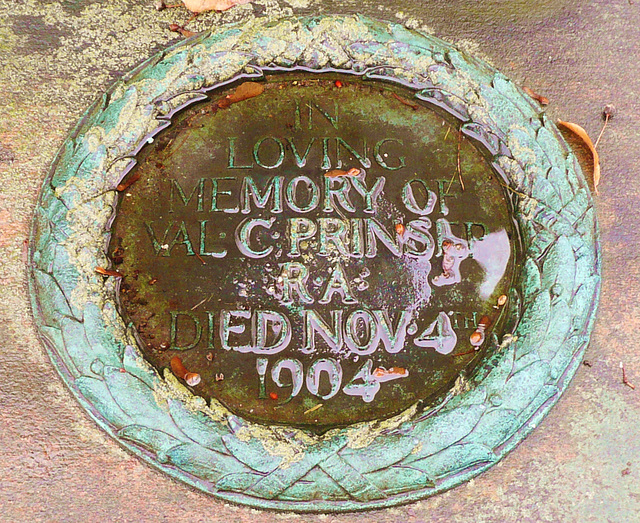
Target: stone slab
(579, 464)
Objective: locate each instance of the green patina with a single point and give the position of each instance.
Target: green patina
(368, 465)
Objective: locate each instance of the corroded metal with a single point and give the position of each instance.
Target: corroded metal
(428, 447)
(301, 292)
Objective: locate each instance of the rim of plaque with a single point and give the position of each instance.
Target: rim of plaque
(417, 453)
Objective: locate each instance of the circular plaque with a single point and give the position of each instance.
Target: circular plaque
(319, 264)
(314, 246)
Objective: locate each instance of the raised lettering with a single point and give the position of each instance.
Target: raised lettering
(410, 201)
(377, 231)
(293, 279)
(380, 158)
(221, 253)
(442, 193)
(361, 332)
(275, 322)
(215, 191)
(362, 158)
(226, 329)
(232, 156)
(300, 229)
(297, 375)
(177, 188)
(370, 195)
(333, 235)
(418, 239)
(261, 368)
(341, 193)
(158, 245)
(173, 335)
(445, 339)
(338, 284)
(301, 161)
(181, 232)
(273, 188)
(243, 237)
(292, 195)
(334, 372)
(313, 323)
(393, 341)
(369, 386)
(280, 154)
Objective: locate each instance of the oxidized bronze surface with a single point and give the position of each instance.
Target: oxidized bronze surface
(345, 251)
(311, 253)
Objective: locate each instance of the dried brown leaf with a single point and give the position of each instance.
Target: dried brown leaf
(542, 100)
(582, 134)
(200, 6)
(178, 368)
(335, 173)
(125, 185)
(244, 91)
(109, 272)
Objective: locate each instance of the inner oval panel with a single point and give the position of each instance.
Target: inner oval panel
(307, 247)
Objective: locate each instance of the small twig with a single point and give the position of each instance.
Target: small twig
(459, 169)
(405, 102)
(200, 258)
(191, 19)
(179, 29)
(523, 195)
(542, 100)
(160, 5)
(608, 111)
(313, 409)
(450, 183)
(464, 353)
(205, 300)
(606, 121)
(624, 378)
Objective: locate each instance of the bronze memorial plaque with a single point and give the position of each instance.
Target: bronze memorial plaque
(314, 251)
(316, 264)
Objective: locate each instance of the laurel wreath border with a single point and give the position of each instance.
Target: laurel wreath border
(369, 465)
